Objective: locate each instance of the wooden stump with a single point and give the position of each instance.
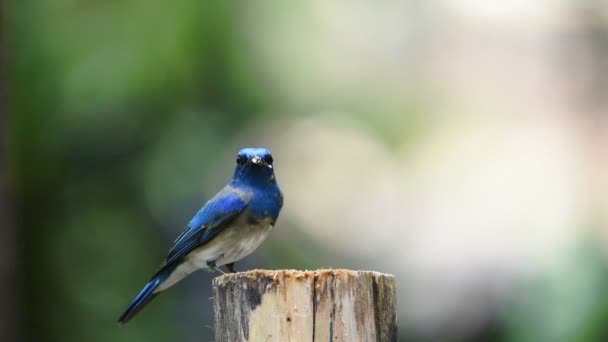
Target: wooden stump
(289, 305)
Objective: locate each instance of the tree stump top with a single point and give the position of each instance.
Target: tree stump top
(296, 274)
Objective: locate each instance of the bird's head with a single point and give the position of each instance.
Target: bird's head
(254, 165)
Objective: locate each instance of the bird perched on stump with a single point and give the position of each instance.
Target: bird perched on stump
(226, 229)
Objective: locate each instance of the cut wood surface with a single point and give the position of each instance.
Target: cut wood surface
(290, 305)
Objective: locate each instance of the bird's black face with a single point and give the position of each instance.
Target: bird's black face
(254, 166)
(254, 157)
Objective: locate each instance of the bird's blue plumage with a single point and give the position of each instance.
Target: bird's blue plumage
(226, 202)
(207, 223)
(146, 294)
(228, 227)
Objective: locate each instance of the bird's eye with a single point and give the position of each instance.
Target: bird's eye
(268, 159)
(241, 160)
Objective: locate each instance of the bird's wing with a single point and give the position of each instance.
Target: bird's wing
(210, 220)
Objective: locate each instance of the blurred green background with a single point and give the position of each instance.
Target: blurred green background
(460, 145)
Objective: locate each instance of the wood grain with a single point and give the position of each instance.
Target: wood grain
(290, 305)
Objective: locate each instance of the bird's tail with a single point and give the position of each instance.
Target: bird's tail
(146, 294)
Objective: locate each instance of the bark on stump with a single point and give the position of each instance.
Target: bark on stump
(302, 306)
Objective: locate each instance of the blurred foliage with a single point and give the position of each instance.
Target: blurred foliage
(567, 303)
(102, 92)
(124, 113)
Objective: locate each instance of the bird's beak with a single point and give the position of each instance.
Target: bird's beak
(258, 160)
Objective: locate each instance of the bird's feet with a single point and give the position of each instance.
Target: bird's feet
(211, 264)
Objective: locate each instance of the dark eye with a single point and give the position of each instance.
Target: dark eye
(268, 159)
(241, 159)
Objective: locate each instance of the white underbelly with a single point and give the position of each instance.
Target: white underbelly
(231, 245)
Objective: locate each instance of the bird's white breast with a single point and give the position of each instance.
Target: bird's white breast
(234, 243)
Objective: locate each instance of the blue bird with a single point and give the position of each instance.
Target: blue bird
(226, 229)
